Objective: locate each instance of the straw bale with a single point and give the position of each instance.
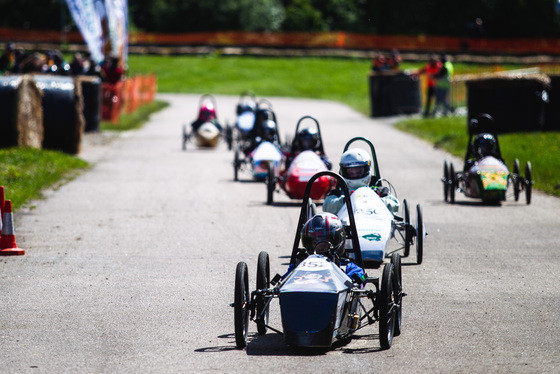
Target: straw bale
(29, 114)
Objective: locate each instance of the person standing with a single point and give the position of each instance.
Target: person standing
(431, 69)
(443, 85)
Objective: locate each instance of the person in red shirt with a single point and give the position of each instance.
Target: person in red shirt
(431, 69)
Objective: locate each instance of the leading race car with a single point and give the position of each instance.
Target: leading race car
(205, 131)
(324, 296)
(485, 175)
(375, 209)
(304, 158)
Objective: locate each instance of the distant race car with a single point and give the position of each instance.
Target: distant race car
(377, 224)
(304, 158)
(320, 300)
(205, 131)
(485, 175)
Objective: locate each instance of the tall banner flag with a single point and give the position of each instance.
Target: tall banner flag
(117, 19)
(87, 19)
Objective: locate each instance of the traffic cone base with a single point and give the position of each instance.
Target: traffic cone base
(8, 246)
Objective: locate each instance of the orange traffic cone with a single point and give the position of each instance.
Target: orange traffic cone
(8, 246)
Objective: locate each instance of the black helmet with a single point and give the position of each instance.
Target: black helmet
(269, 130)
(308, 139)
(484, 144)
(324, 234)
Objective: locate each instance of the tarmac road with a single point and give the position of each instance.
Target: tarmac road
(130, 267)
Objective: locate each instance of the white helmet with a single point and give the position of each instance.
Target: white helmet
(355, 168)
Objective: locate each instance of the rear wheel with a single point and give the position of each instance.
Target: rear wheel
(445, 181)
(270, 184)
(528, 182)
(397, 290)
(386, 308)
(236, 165)
(185, 137)
(453, 184)
(516, 180)
(420, 233)
(263, 282)
(407, 232)
(241, 305)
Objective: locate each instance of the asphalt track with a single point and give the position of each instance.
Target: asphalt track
(130, 266)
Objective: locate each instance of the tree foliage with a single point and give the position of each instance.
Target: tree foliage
(501, 18)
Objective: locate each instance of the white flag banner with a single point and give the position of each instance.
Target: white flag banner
(117, 11)
(86, 18)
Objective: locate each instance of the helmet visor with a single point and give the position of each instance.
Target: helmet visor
(354, 172)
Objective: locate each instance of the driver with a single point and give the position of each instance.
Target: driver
(307, 139)
(206, 113)
(355, 168)
(324, 234)
(268, 132)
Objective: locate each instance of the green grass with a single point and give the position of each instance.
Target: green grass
(542, 149)
(25, 172)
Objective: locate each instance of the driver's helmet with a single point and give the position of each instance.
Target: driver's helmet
(247, 106)
(355, 168)
(485, 145)
(324, 234)
(207, 112)
(269, 131)
(308, 139)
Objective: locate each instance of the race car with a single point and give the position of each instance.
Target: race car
(205, 131)
(263, 151)
(304, 158)
(251, 114)
(376, 224)
(320, 300)
(485, 175)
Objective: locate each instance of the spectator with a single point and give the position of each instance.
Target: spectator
(431, 69)
(8, 58)
(443, 83)
(379, 63)
(394, 61)
(77, 64)
(111, 71)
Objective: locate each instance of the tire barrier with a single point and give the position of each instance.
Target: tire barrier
(516, 102)
(63, 119)
(20, 105)
(394, 93)
(8, 246)
(553, 109)
(91, 93)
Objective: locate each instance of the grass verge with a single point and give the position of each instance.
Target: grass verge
(136, 119)
(542, 149)
(25, 172)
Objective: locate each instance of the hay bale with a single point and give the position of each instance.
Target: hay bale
(20, 105)
(63, 120)
(517, 102)
(91, 95)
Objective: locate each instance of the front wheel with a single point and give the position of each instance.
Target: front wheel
(241, 305)
(185, 137)
(263, 282)
(407, 228)
(270, 184)
(420, 233)
(453, 185)
(236, 165)
(397, 291)
(445, 181)
(516, 180)
(387, 308)
(528, 182)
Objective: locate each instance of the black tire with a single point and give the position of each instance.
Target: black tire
(270, 184)
(528, 182)
(229, 137)
(263, 282)
(236, 165)
(397, 290)
(407, 233)
(453, 185)
(420, 233)
(241, 305)
(445, 181)
(516, 180)
(185, 137)
(386, 308)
